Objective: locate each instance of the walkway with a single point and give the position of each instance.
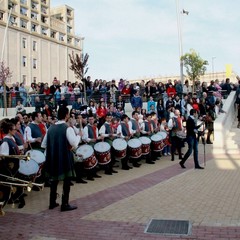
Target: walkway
(121, 206)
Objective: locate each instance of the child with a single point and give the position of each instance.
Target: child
(164, 128)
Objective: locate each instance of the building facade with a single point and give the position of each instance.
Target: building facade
(36, 40)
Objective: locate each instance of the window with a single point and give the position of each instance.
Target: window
(24, 43)
(44, 31)
(23, 23)
(23, 11)
(34, 63)
(24, 61)
(69, 29)
(61, 37)
(34, 27)
(24, 2)
(43, 19)
(33, 16)
(53, 34)
(12, 21)
(34, 79)
(1, 15)
(34, 6)
(34, 46)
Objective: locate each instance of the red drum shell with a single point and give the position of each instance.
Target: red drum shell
(90, 162)
(157, 143)
(135, 148)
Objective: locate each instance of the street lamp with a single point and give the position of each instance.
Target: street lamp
(179, 26)
(213, 67)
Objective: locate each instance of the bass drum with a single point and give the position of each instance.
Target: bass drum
(28, 170)
(120, 147)
(102, 152)
(146, 145)
(135, 148)
(87, 154)
(157, 143)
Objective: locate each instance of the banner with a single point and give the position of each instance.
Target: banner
(228, 70)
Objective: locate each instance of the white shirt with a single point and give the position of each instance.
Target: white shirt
(4, 148)
(28, 134)
(85, 134)
(119, 131)
(72, 138)
(102, 131)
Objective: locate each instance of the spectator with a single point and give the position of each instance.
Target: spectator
(136, 101)
(187, 88)
(151, 105)
(77, 106)
(179, 88)
(54, 86)
(20, 108)
(171, 91)
(23, 94)
(62, 103)
(121, 85)
(38, 105)
(160, 109)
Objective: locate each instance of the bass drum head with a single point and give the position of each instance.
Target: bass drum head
(36, 155)
(119, 144)
(163, 134)
(28, 168)
(102, 147)
(145, 140)
(134, 143)
(156, 138)
(85, 150)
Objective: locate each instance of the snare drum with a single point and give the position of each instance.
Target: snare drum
(181, 134)
(165, 140)
(146, 142)
(135, 148)
(28, 169)
(120, 147)
(87, 153)
(102, 152)
(200, 129)
(157, 143)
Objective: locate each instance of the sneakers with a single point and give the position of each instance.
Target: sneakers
(169, 154)
(165, 154)
(67, 207)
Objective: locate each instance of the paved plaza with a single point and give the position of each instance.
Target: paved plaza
(121, 206)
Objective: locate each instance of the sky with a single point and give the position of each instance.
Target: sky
(134, 39)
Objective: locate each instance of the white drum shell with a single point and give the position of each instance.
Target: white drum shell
(28, 168)
(145, 140)
(134, 143)
(37, 156)
(102, 147)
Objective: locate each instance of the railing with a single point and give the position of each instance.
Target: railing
(28, 100)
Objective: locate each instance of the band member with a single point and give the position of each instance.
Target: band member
(192, 130)
(175, 125)
(135, 125)
(148, 130)
(59, 141)
(135, 128)
(124, 132)
(106, 131)
(91, 136)
(33, 134)
(10, 166)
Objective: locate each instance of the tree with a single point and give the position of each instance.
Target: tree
(79, 66)
(195, 65)
(5, 73)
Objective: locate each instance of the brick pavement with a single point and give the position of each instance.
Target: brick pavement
(120, 206)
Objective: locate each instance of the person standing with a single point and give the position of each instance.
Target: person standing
(59, 165)
(192, 141)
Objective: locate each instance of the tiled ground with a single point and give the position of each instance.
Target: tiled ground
(120, 206)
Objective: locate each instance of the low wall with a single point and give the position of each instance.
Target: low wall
(223, 123)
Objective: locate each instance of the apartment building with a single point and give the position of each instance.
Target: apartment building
(36, 40)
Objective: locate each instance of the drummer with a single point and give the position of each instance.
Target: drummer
(148, 130)
(135, 127)
(91, 136)
(175, 125)
(126, 133)
(108, 134)
(11, 165)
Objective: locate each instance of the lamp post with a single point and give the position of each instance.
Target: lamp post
(213, 67)
(179, 27)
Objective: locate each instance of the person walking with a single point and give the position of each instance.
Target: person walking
(59, 141)
(192, 130)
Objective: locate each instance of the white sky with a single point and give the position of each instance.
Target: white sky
(139, 38)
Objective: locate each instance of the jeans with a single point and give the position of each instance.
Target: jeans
(192, 146)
